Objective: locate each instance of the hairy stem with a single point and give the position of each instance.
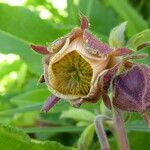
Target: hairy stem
(120, 130)
(101, 132)
(146, 118)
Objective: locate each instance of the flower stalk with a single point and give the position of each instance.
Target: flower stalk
(146, 117)
(120, 130)
(99, 120)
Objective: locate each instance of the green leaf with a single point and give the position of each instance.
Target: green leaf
(72, 12)
(31, 97)
(139, 39)
(116, 37)
(34, 107)
(86, 138)
(139, 140)
(97, 18)
(78, 115)
(53, 129)
(11, 44)
(137, 126)
(12, 138)
(46, 145)
(27, 25)
(128, 13)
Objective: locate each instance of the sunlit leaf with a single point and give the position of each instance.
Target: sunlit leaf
(31, 97)
(78, 115)
(128, 13)
(12, 138)
(116, 37)
(139, 39)
(86, 137)
(11, 44)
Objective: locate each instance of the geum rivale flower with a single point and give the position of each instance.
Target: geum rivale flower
(78, 67)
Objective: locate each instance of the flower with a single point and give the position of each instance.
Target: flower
(75, 64)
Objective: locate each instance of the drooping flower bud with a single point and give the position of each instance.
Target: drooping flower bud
(131, 90)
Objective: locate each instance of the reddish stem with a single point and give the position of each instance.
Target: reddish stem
(120, 130)
(101, 132)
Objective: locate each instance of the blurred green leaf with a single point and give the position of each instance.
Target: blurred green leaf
(34, 107)
(97, 14)
(31, 97)
(11, 44)
(7, 67)
(139, 140)
(12, 138)
(139, 39)
(27, 25)
(128, 13)
(78, 115)
(53, 129)
(116, 37)
(86, 137)
(73, 12)
(137, 126)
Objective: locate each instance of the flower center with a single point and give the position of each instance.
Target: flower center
(72, 75)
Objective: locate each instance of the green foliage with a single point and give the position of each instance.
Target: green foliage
(127, 12)
(12, 138)
(139, 39)
(86, 137)
(11, 44)
(78, 114)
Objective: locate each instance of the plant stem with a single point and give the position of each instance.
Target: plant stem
(101, 132)
(146, 118)
(120, 130)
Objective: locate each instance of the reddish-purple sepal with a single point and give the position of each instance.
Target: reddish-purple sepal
(122, 52)
(105, 81)
(84, 22)
(52, 100)
(95, 46)
(40, 49)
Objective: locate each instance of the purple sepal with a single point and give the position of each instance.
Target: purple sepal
(40, 49)
(122, 52)
(52, 100)
(95, 45)
(84, 23)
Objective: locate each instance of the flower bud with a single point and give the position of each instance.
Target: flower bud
(131, 90)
